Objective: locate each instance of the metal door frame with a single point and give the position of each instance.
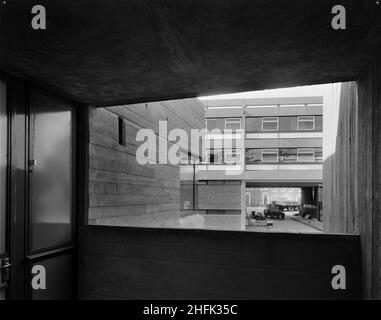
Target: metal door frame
(54, 250)
(17, 194)
(6, 254)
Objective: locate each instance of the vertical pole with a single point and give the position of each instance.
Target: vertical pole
(243, 182)
(194, 187)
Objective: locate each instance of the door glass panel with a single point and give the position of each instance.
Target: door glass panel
(51, 172)
(3, 163)
(59, 275)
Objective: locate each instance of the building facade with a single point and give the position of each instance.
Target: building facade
(255, 145)
(123, 192)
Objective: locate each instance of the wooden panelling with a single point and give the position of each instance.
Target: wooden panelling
(126, 263)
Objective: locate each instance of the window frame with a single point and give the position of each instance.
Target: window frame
(214, 151)
(288, 162)
(267, 120)
(233, 120)
(303, 150)
(238, 154)
(206, 124)
(274, 151)
(298, 120)
(249, 150)
(318, 159)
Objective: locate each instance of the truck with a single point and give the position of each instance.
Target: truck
(274, 211)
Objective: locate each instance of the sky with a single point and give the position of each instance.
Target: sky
(302, 91)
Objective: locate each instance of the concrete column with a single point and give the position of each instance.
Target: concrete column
(307, 195)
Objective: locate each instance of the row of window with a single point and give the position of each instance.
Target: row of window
(269, 124)
(303, 123)
(219, 156)
(283, 155)
(284, 124)
(267, 106)
(223, 124)
(255, 156)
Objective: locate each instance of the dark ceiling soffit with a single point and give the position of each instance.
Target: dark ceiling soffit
(43, 86)
(188, 95)
(144, 51)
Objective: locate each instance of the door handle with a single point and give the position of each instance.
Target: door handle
(31, 165)
(5, 264)
(4, 268)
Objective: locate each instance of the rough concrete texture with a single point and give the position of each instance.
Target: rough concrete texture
(103, 52)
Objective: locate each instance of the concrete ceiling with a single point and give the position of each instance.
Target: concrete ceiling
(119, 51)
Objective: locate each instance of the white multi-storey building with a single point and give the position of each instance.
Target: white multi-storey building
(277, 143)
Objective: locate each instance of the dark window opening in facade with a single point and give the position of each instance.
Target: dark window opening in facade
(121, 132)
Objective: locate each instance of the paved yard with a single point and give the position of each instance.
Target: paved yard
(289, 224)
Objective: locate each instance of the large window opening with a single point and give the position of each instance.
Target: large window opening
(269, 177)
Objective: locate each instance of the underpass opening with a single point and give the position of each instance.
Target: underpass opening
(283, 209)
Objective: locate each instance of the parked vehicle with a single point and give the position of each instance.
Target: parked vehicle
(274, 211)
(290, 206)
(309, 211)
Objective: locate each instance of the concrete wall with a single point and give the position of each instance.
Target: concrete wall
(341, 163)
(128, 263)
(121, 191)
(219, 196)
(352, 172)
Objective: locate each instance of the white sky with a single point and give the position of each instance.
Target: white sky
(303, 91)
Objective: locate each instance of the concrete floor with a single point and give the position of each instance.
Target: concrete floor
(289, 224)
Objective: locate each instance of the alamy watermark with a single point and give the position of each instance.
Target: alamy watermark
(195, 146)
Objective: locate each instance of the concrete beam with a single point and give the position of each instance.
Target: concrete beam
(124, 51)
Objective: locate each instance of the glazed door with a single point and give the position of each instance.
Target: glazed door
(4, 257)
(51, 227)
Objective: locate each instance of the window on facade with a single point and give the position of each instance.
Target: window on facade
(306, 155)
(121, 132)
(253, 156)
(306, 123)
(214, 156)
(319, 123)
(215, 124)
(318, 154)
(232, 156)
(269, 155)
(211, 124)
(253, 124)
(233, 124)
(288, 155)
(270, 124)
